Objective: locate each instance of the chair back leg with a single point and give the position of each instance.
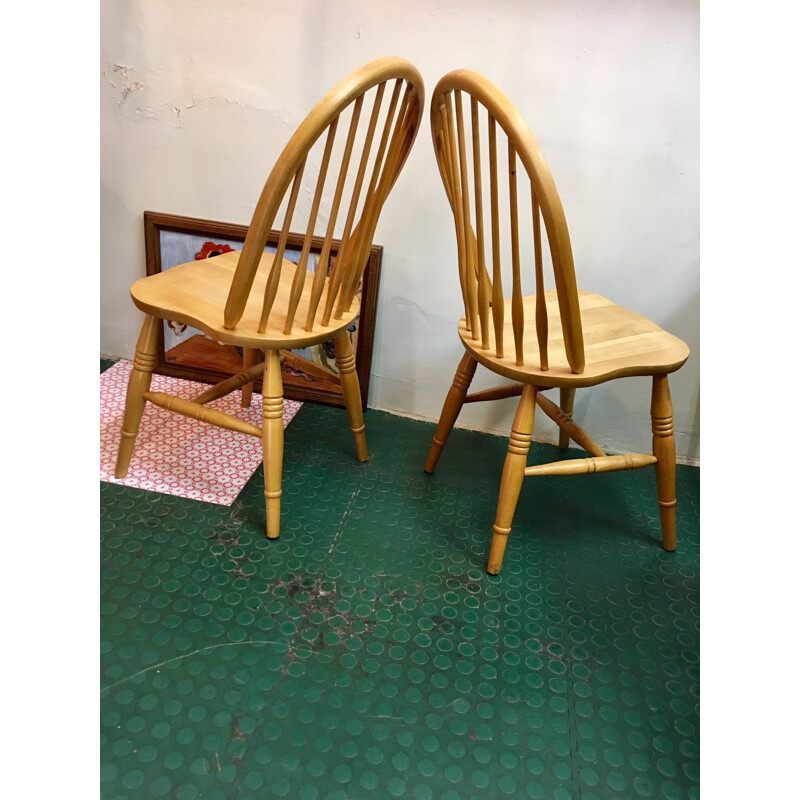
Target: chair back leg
(346, 361)
(249, 359)
(664, 451)
(452, 408)
(143, 363)
(272, 437)
(567, 403)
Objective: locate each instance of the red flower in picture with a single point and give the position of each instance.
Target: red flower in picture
(210, 249)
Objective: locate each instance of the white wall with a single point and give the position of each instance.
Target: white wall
(198, 97)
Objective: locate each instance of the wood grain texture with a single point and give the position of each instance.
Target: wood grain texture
(195, 293)
(562, 338)
(263, 302)
(617, 343)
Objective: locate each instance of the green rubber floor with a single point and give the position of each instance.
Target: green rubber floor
(367, 653)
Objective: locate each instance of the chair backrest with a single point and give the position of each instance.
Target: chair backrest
(488, 230)
(353, 175)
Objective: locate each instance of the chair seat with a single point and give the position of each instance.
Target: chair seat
(196, 292)
(617, 343)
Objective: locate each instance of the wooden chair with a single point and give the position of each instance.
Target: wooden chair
(561, 338)
(262, 302)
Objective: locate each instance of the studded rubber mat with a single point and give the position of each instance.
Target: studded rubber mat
(367, 653)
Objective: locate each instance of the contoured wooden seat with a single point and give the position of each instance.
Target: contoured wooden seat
(263, 302)
(500, 189)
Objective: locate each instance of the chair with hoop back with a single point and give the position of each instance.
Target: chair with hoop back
(561, 337)
(262, 302)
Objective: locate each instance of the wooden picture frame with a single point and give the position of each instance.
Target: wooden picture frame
(184, 352)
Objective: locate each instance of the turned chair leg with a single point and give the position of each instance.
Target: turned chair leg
(272, 437)
(346, 361)
(664, 451)
(452, 407)
(567, 403)
(519, 444)
(139, 382)
(249, 359)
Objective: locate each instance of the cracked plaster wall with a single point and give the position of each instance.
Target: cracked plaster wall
(199, 97)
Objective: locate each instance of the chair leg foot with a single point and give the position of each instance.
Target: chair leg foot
(452, 407)
(664, 451)
(519, 444)
(273, 441)
(346, 361)
(139, 382)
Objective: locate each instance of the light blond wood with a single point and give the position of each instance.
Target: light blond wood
(478, 323)
(563, 338)
(143, 363)
(517, 310)
(272, 393)
(567, 426)
(496, 393)
(195, 293)
(618, 342)
(339, 268)
(320, 272)
(525, 146)
(567, 403)
(249, 359)
(452, 407)
(664, 451)
(360, 232)
(542, 327)
(202, 413)
(340, 98)
(346, 361)
(271, 285)
(263, 302)
(513, 474)
(483, 288)
(229, 385)
(498, 306)
(302, 265)
(586, 466)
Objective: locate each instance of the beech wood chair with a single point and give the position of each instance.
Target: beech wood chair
(262, 302)
(562, 338)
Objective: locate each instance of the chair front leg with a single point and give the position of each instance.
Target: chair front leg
(452, 408)
(139, 382)
(346, 361)
(272, 439)
(664, 451)
(519, 444)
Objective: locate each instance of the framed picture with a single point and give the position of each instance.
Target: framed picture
(310, 374)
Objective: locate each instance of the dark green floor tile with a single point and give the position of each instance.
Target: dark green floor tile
(367, 653)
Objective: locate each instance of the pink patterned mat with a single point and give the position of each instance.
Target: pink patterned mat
(175, 454)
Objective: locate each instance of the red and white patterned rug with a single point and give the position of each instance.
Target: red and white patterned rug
(175, 454)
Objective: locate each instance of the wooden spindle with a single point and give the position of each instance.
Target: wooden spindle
(403, 129)
(458, 212)
(271, 288)
(483, 293)
(470, 272)
(541, 306)
(517, 312)
(498, 304)
(339, 263)
(302, 264)
(351, 265)
(322, 261)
